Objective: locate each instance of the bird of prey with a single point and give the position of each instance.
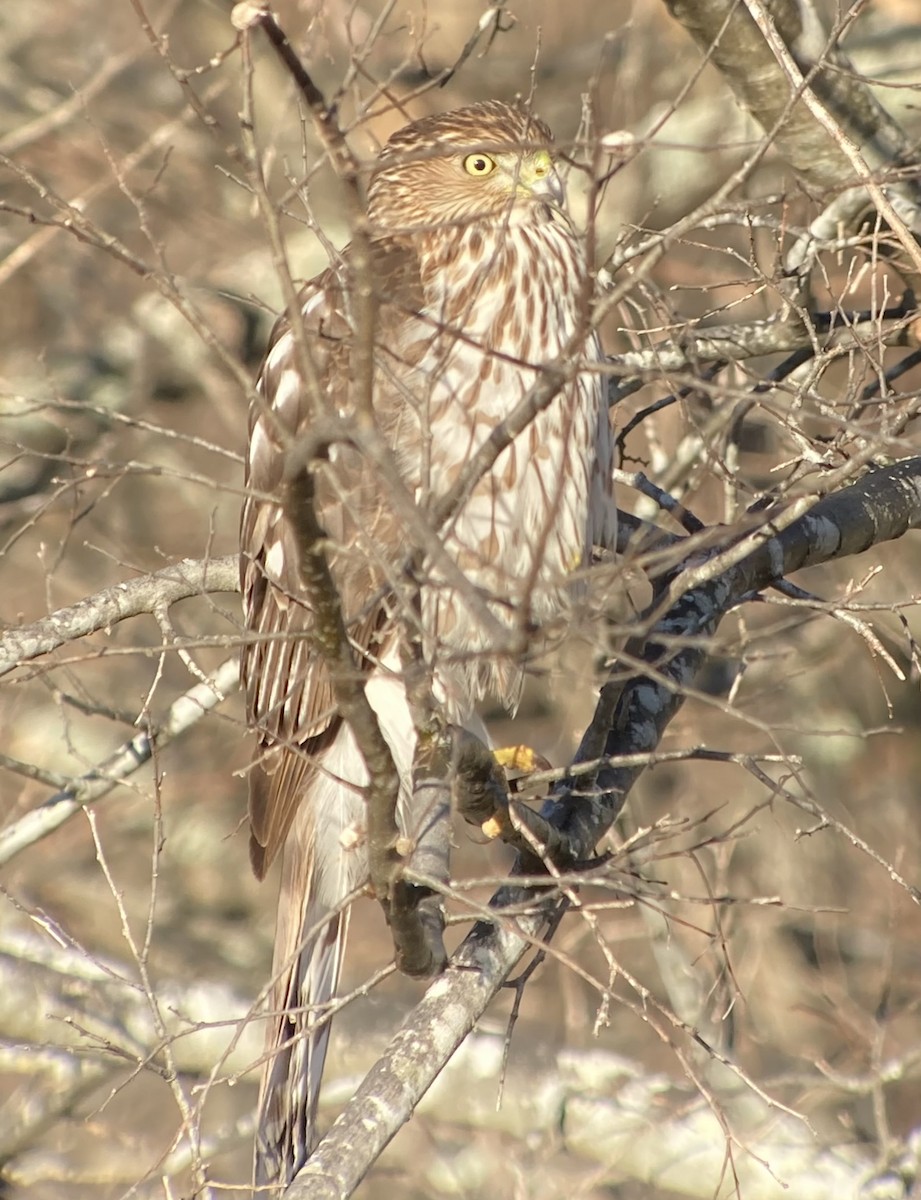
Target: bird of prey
(481, 302)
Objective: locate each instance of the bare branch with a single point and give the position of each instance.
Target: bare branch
(181, 715)
(179, 581)
(743, 42)
(628, 720)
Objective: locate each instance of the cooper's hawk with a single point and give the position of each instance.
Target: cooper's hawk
(480, 286)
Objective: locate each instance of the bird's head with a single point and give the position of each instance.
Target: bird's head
(490, 161)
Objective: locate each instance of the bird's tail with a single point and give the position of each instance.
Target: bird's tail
(321, 868)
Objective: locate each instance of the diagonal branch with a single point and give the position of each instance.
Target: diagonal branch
(735, 36)
(789, 73)
(831, 124)
(184, 712)
(882, 506)
(179, 581)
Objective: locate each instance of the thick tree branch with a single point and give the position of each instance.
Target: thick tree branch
(727, 32)
(787, 71)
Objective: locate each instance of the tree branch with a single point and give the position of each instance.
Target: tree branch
(728, 33)
(184, 712)
(882, 506)
(179, 581)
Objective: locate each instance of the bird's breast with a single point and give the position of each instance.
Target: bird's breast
(511, 308)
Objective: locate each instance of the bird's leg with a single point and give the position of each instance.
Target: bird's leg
(516, 763)
(483, 797)
(481, 788)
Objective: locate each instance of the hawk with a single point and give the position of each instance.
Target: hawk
(480, 287)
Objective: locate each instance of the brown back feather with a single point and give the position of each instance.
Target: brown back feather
(290, 700)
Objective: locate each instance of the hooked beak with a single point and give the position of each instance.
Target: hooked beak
(538, 176)
(549, 186)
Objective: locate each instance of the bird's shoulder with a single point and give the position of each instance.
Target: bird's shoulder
(328, 328)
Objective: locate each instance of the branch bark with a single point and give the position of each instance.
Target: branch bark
(179, 581)
(788, 72)
(728, 34)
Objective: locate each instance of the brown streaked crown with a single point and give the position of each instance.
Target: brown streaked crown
(420, 181)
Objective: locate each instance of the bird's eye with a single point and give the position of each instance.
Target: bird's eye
(479, 164)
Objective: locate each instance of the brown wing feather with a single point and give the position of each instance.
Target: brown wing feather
(289, 697)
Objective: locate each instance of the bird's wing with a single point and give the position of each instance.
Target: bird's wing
(289, 695)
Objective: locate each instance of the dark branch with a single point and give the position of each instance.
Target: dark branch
(884, 505)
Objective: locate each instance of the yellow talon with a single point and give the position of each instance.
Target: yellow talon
(574, 562)
(493, 828)
(520, 758)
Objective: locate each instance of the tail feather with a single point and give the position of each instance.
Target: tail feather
(319, 873)
(324, 862)
(299, 1037)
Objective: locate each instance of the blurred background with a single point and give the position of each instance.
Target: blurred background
(786, 935)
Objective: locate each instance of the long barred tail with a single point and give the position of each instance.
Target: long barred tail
(291, 1083)
(324, 863)
(319, 873)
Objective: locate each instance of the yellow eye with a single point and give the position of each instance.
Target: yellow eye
(479, 164)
